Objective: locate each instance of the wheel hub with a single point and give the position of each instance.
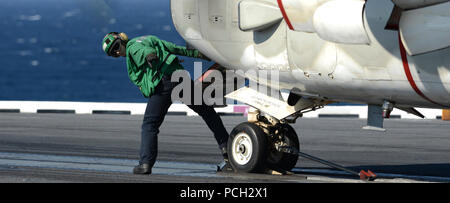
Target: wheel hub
(242, 148)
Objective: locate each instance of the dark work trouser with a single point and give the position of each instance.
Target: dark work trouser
(157, 107)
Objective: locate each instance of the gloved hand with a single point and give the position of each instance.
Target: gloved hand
(202, 56)
(151, 59)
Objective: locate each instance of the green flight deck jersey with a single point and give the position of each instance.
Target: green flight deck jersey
(147, 77)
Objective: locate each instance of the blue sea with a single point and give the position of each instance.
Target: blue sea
(50, 50)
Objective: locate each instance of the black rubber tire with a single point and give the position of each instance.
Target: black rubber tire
(288, 161)
(257, 162)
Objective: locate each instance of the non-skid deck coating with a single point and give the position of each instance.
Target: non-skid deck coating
(104, 148)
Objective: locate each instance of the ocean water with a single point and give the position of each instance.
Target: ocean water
(51, 49)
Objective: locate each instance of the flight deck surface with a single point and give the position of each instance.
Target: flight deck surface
(104, 148)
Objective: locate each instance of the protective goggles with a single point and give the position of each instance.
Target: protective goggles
(115, 47)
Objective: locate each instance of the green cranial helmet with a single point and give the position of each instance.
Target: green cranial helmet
(112, 41)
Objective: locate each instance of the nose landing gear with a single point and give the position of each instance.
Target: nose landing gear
(269, 145)
(255, 147)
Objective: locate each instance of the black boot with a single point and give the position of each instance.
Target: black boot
(142, 169)
(225, 164)
(225, 153)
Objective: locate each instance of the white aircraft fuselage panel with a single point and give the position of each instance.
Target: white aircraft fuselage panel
(412, 4)
(362, 73)
(426, 29)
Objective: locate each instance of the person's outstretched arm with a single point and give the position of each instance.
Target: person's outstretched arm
(183, 51)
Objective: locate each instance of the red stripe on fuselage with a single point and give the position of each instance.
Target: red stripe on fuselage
(285, 16)
(209, 71)
(409, 75)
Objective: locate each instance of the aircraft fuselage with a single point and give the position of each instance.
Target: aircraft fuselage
(382, 64)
